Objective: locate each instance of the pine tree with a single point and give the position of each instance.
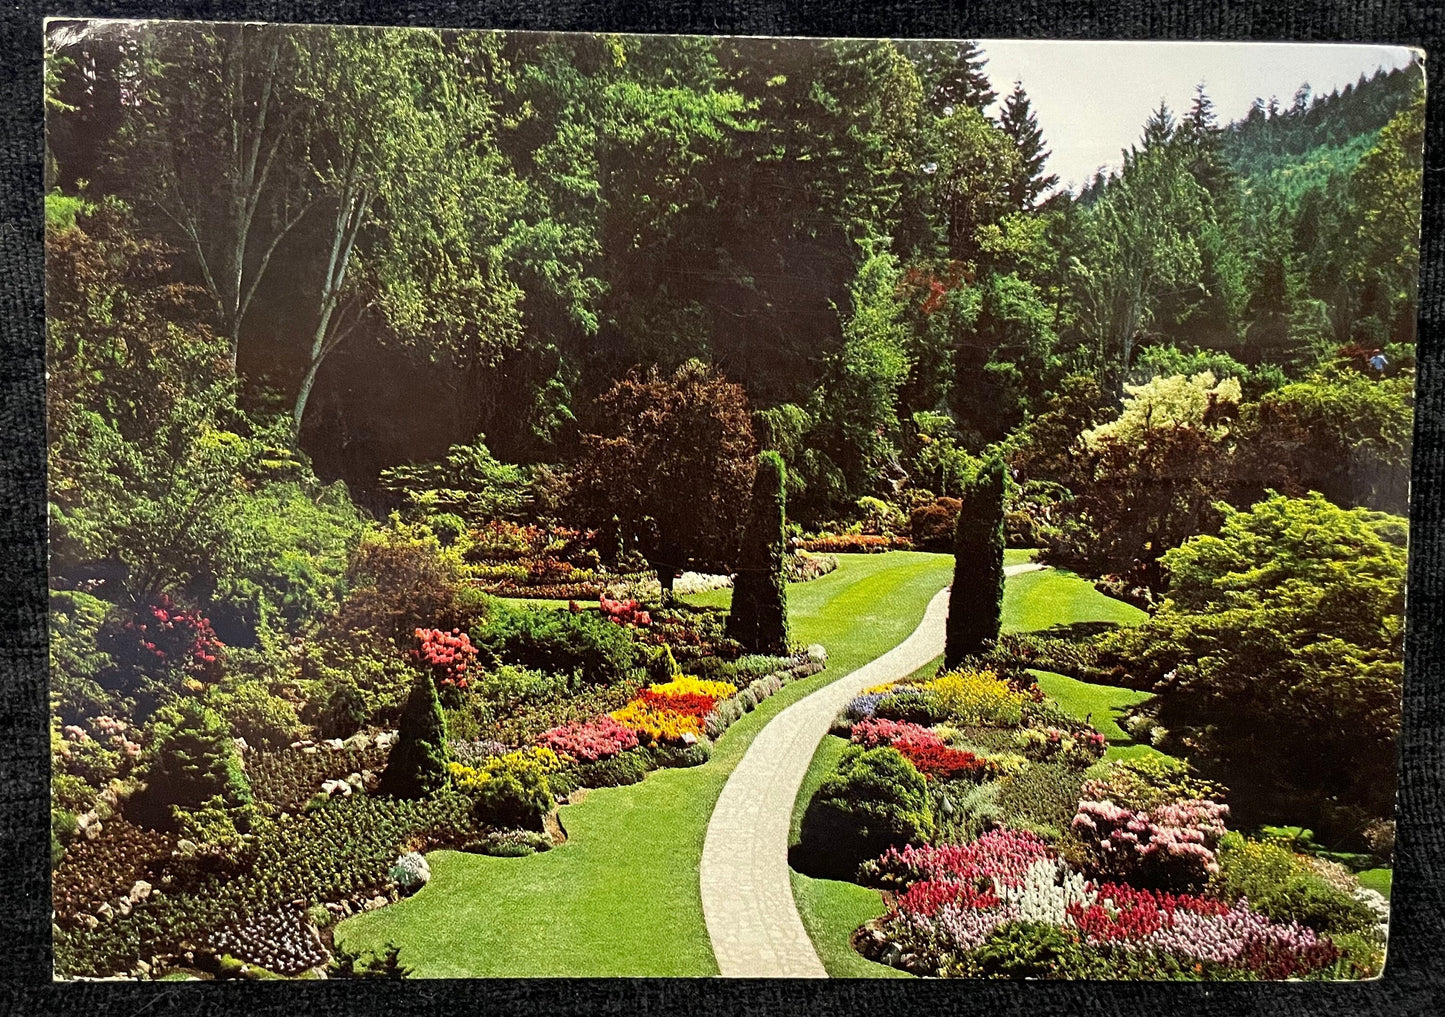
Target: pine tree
(952, 74)
(1019, 122)
(1159, 128)
(759, 615)
(418, 762)
(975, 604)
(1200, 130)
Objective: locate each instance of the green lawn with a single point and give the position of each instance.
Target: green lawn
(831, 908)
(1037, 601)
(621, 897)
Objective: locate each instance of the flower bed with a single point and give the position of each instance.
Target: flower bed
(601, 738)
(959, 901)
(853, 543)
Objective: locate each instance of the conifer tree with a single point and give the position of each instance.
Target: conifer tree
(418, 762)
(1019, 122)
(759, 615)
(975, 603)
(952, 74)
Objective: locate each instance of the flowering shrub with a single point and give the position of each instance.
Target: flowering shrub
(921, 746)
(853, 543)
(656, 722)
(872, 733)
(862, 706)
(977, 697)
(958, 898)
(800, 568)
(447, 655)
(938, 761)
(1171, 845)
(601, 738)
(1203, 931)
(1001, 854)
(165, 636)
(623, 612)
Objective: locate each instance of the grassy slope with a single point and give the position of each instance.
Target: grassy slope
(621, 897)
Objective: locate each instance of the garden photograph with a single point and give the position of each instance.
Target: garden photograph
(530, 504)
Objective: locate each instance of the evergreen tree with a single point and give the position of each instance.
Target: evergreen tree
(975, 603)
(1202, 133)
(418, 762)
(195, 761)
(952, 74)
(1159, 128)
(759, 615)
(1019, 122)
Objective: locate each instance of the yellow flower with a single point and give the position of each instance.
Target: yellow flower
(657, 725)
(685, 683)
(978, 697)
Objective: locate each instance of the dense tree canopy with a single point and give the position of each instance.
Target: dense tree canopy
(347, 326)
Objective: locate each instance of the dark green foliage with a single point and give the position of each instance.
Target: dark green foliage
(873, 800)
(343, 713)
(1341, 433)
(75, 656)
(468, 486)
(914, 705)
(1042, 798)
(617, 771)
(1021, 950)
(418, 762)
(975, 603)
(254, 713)
(1280, 652)
(759, 615)
(387, 964)
(672, 756)
(598, 652)
(193, 763)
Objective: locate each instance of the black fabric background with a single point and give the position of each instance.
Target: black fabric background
(1414, 982)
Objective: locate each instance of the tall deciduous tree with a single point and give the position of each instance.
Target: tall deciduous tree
(975, 602)
(212, 140)
(759, 615)
(1138, 244)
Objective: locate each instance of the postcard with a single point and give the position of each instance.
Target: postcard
(575, 504)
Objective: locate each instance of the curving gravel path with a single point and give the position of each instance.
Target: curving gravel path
(747, 898)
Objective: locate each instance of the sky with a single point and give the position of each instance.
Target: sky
(1092, 98)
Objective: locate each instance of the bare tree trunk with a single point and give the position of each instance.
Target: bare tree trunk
(351, 209)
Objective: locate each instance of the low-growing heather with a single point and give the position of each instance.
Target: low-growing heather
(600, 738)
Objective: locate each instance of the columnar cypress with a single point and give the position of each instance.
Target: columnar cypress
(418, 762)
(759, 615)
(975, 604)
